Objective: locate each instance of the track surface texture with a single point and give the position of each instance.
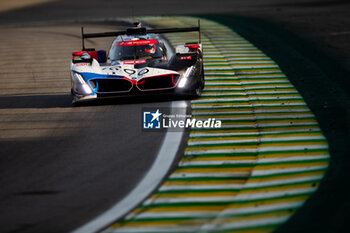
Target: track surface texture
(60, 166)
(52, 180)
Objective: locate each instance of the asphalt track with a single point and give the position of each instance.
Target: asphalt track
(60, 165)
(47, 142)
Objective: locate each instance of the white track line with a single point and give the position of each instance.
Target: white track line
(147, 185)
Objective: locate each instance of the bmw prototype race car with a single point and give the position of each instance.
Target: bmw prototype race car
(139, 62)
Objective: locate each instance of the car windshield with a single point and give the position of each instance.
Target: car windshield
(138, 49)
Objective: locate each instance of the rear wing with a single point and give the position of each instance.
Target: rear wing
(139, 31)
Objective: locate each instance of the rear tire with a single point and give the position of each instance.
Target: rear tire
(198, 92)
(202, 77)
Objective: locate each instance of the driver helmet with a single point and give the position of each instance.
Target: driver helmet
(151, 48)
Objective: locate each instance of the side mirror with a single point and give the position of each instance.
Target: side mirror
(81, 57)
(181, 49)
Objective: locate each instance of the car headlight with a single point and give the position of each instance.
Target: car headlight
(80, 83)
(78, 78)
(87, 89)
(183, 80)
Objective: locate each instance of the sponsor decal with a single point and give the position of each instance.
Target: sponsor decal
(137, 42)
(134, 62)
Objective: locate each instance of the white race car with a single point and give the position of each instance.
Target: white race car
(138, 63)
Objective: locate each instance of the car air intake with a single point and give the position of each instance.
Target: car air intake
(111, 85)
(158, 82)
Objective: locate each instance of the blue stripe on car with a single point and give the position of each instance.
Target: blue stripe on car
(88, 76)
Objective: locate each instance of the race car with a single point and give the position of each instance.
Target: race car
(139, 62)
